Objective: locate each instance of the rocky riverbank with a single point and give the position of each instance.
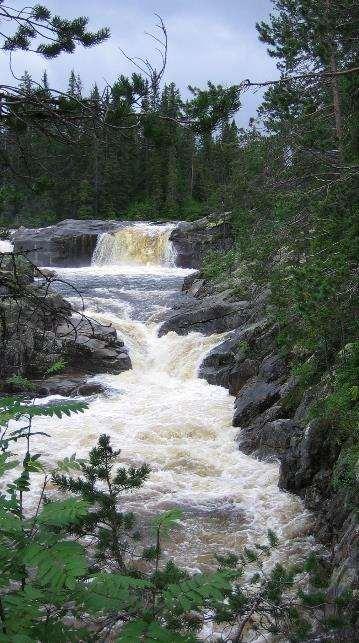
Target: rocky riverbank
(272, 410)
(72, 242)
(40, 328)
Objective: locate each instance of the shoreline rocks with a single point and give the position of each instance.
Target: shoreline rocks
(72, 242)
(39, 329)
(192, 241)
(68, 386)
(67, 243)
(271, 411)
(215, 315)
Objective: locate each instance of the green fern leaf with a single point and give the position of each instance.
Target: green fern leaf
(59, 409)
(6, 464)
(112, 592)
(9, 522)
(59, 566)
(200, 589)
(13, 409)
(157, 633)
(167, 520)
(57, 367)
(22, 382)
(132, 632)
(63, 512)
(140, 630)
(69, 464)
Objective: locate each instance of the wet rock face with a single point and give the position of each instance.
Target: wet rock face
(194, 240)
(68, 243)
(253, 399)
(72, 242)
(227, 364)
(93, 348)
(248, 363)
(68, 386)
(269, 439)
(215, 315)
(37, 336)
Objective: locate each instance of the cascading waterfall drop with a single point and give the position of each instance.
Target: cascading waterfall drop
(161, 413)
(6, 246)
(140, 244)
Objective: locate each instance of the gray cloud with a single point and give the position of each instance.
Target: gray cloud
(208, 40)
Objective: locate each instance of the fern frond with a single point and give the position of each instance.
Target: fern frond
(63, 512)
(58, 566)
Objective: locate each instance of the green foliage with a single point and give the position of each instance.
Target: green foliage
(56, 367)
(64, 512)
(58, 566)
(211, 105)
(146, 168)
(346, 472)
(110, 528)
(217, 264)
(45, 566)
(339, 409)
(293, 192)
(58, 34)
(18, 381)
(13, 408)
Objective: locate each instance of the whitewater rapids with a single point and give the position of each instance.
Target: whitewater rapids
(161, 413)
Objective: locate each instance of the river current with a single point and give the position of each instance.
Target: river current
(161, 413)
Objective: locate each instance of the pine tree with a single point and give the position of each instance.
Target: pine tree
(112, 528)
(311, 37)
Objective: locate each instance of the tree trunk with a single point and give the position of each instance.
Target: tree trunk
(335, 86)
(192, 173)
(336, 98)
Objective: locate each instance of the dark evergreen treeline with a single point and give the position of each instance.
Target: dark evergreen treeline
(115, 165)
(137, 150)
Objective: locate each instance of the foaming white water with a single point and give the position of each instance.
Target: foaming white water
(126, 269)
(163, 414)
(6, 246)
(140, 244)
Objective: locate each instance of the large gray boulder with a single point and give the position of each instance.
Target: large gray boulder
(67, 386)
(269, 439)
(193, 241)
(68, 243)
(212, 315)
(254, 398)
(39, 328)
(229, 364)
(93, 348)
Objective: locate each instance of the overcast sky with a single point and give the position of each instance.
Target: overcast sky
(208, 40)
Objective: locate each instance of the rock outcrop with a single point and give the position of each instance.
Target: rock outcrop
(72, 242)
(67, 386)
(193, 241)
(271, 410)
(68, 243)
(92, 347)
(39, 328)
(214, 315)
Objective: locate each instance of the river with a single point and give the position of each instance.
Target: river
(161, 413)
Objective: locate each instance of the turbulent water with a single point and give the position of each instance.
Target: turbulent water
(162, 414)
(5, 245)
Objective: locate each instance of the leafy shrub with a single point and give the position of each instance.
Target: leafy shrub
(218, 264)
(57, 587)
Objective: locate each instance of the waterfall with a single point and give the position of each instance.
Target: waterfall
(6, 246)
(161, 413)
(140, 244)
